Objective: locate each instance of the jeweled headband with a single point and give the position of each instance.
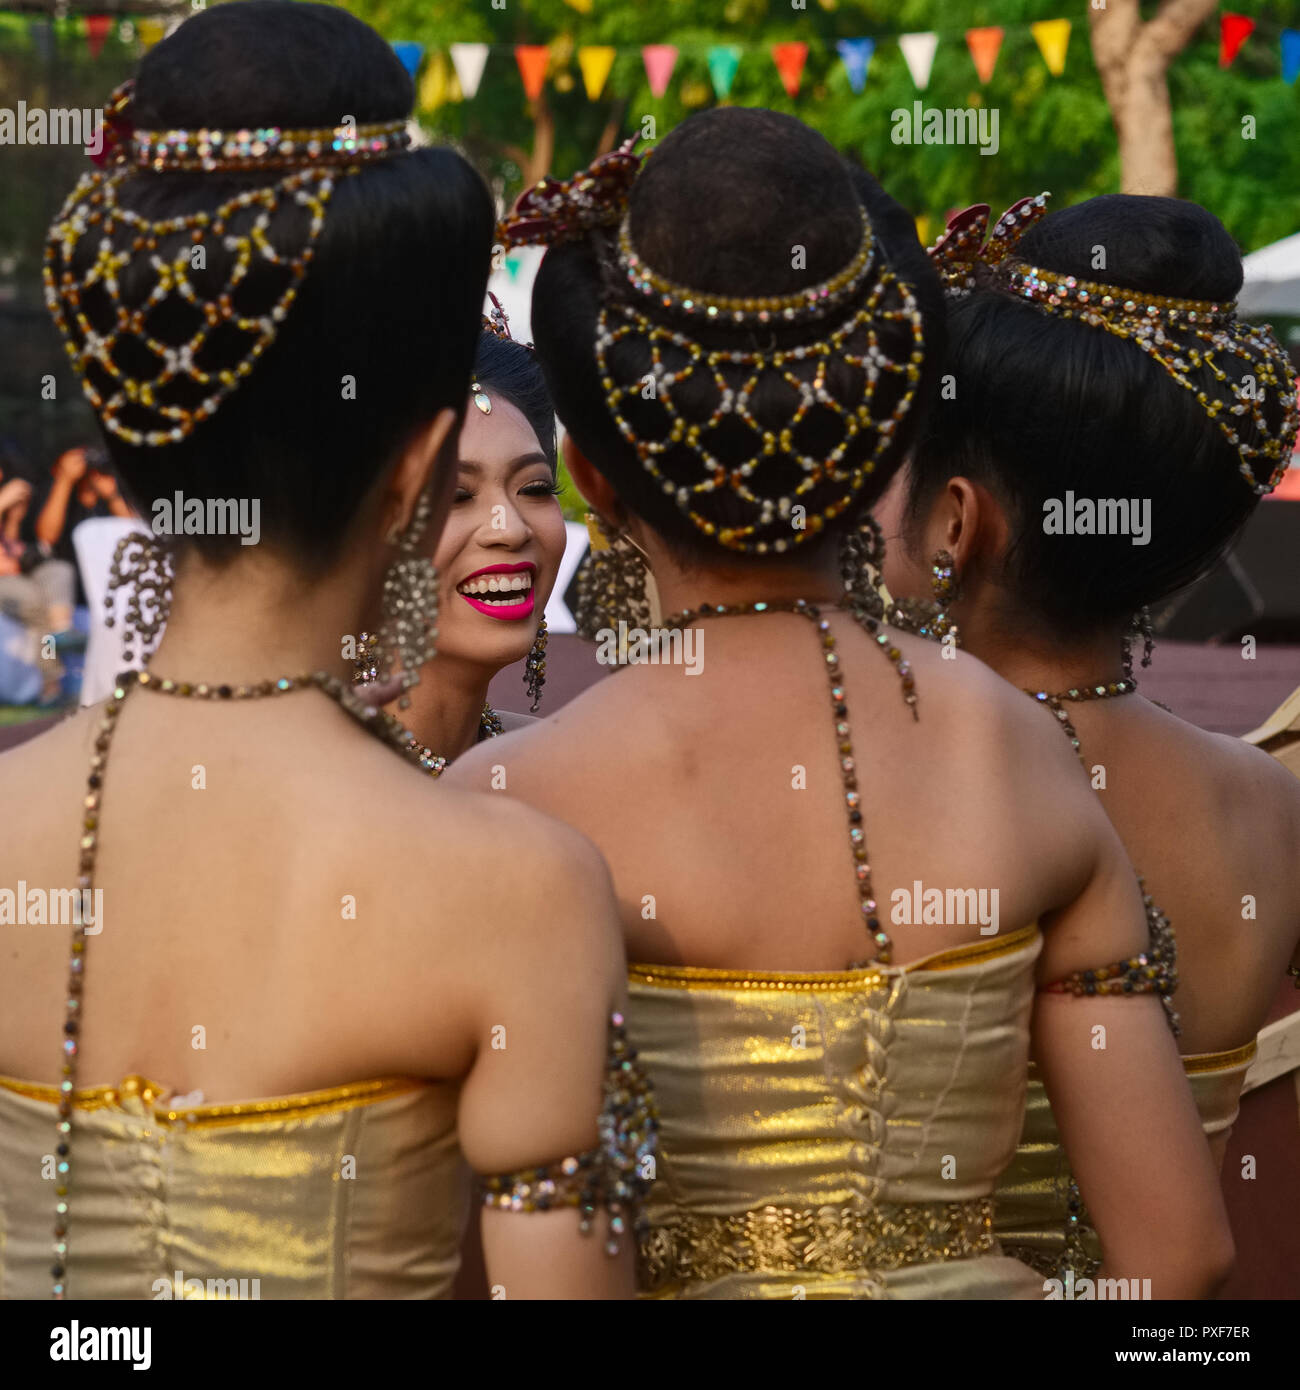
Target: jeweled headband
(1182, 335)
(164, 388)
(843, 313)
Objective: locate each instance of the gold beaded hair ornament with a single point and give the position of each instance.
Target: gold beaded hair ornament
(1184, 336)
(847, 312)
(157, 358)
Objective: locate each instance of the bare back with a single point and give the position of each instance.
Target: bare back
(287, 906)
(719, 803)
(1213, 825)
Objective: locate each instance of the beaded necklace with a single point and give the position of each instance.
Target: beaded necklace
(848, 767)
(1056, 703)
(489, 726)
(376, 721)
(367, 672)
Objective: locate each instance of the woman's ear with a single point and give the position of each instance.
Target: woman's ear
(968, 522)
(590, 482)
(417, 470)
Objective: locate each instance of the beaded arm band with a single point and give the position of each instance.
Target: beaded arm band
(616, 1175)
(1153, 971)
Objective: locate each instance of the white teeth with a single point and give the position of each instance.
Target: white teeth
(498, 584)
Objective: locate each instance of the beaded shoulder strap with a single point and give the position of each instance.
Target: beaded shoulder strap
(616, 1175)
(839, 709)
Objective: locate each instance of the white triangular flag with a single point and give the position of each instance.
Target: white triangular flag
(918, 49)
(468, 59)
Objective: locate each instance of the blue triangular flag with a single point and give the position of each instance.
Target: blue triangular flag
(1290, 54)
(856, 54)
(410, 53)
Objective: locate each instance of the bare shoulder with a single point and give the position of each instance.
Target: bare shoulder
(1238, 775)
(562, 744)
(54, 752)
(987, 714)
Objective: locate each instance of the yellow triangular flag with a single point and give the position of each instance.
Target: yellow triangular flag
(582, 7)
(595, 64)
(434, 83)
(150, 31)
(1053, 36)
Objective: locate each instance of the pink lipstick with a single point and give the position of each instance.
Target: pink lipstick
(504, 592)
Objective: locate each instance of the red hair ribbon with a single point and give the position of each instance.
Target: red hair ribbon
(119, 127)
(963, 244)
(557, 210)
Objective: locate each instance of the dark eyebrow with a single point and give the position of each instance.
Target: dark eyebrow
(515, 465)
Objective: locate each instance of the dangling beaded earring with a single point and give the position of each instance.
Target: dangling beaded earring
(143, 566)
(614, 584)
(408, 631)
(1139, 627)
(862, 552)
(535, 668)
(929, 617)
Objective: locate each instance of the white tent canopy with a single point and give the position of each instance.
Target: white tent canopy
(1272, 279)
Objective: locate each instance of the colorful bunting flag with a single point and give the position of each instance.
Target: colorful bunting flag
(468, 59)
(724, 59)
(97, 27)
(1234, 30)
(410, 53)
(595, 64)
(1053, 39)
(659, 60)
(918, 50)
(856, 56)
(789, 59)
(984, 45)
(42, 35)
(151, 32)
(532, 59)
(1290, 54)
(436, 86)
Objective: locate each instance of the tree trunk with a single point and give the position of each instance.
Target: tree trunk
(1133, 60)
(535, 164)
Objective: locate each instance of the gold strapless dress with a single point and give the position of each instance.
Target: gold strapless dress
(358, 1191)
(1033, 1194)
(835, 1135)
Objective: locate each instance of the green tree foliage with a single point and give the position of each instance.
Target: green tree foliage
(1054, 132)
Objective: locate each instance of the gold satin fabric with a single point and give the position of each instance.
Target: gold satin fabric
(1032, 1193)
(835, 1133)
(358, 1191)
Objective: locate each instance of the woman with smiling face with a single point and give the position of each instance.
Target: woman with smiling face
(498, 556)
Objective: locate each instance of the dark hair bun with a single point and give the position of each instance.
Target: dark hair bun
(1043, 407)
(382, 333)
(784, 213)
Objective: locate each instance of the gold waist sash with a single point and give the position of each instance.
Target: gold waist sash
(689, 1247)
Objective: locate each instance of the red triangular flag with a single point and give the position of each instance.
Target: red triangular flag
(984, 45)
(531, 58)
(1234, 30)
(98, 28)
(659, 60)
(789, 59)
